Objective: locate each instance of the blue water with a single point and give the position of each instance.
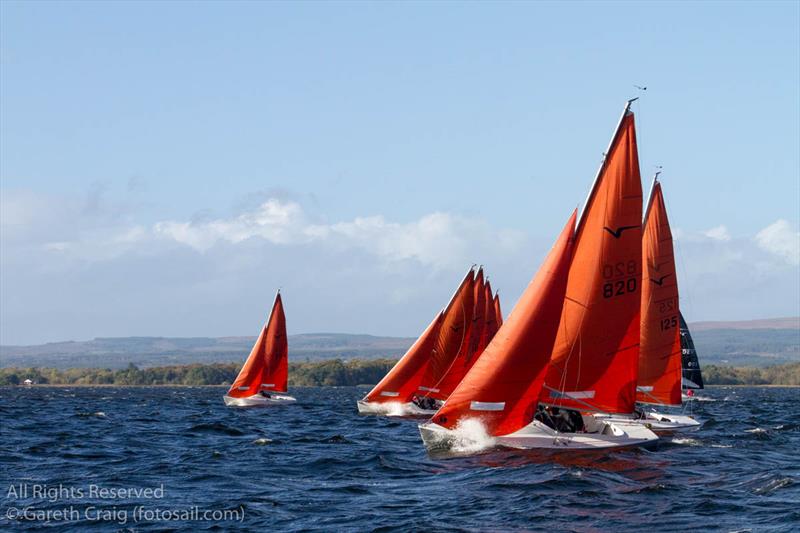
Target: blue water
(317, 465)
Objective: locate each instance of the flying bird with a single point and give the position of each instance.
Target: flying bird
(640, 88)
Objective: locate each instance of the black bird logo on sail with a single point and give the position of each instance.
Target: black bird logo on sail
(660, 281)
(618, 233)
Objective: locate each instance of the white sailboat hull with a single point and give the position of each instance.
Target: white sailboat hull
(393, 409)
(602, 435)
(657, 422)
(258, 401)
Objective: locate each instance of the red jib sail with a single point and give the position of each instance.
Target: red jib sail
(452, 342)
(267, 366)
(403, 380)
(498, 314)
(502, 388)
(660, 344)
(595, 358)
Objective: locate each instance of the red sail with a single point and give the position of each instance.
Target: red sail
(660, 344)
(595, 357)
(497, 312)
(403, 380)
(491, 319)
(267, 366)
(470, 351)
(452, 344)
(502, 388)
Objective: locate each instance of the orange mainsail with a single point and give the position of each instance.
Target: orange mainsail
(502, 388)
(478, 315)
(498, 314)
(403, 380)
(452, 347)
(492, 325)
(267, 366)
(595, 357)
(660, 344)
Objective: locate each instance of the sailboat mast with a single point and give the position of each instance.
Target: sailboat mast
(603, 164)
(650, 197)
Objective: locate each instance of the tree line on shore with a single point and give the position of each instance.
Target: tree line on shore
(322, 373)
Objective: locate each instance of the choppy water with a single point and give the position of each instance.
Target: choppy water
(318, 465)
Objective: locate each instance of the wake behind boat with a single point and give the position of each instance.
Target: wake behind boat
(263, 379)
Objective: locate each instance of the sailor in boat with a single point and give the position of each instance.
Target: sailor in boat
(562, 420)
(265, 394)
(426, 402)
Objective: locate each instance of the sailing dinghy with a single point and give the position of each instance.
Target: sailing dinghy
(405, 390)
(659, 378)
(569, 348)
(262, 381)
(429, 372)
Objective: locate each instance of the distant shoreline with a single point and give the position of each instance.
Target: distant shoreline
(332, 373)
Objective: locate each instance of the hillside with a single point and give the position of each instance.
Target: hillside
(160, 351)
(756, 343)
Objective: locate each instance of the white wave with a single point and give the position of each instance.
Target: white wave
(389, 409)
(99, 414)
(775, 484)
(262, 441)
(708, 399)
(686, 441)
(722, 446)
(470, 436)
(755, 430)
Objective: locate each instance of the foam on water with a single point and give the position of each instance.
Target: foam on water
(687, 441)
(389, 409)
(470, 436)
(706, 399)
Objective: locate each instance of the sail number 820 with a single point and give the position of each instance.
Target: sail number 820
(618, 288)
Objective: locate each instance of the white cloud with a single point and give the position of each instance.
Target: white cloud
(780, 239)
(719, 233)
(98, 273)
(439, 240)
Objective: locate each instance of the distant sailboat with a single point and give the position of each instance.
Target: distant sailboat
(540, 379)
(417, 374)
(659, 378)
(436, 363)
(262, 381)
(692, 378)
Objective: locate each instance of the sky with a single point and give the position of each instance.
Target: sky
(166, 167)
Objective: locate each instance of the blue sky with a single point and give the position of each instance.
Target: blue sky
(166, 166)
